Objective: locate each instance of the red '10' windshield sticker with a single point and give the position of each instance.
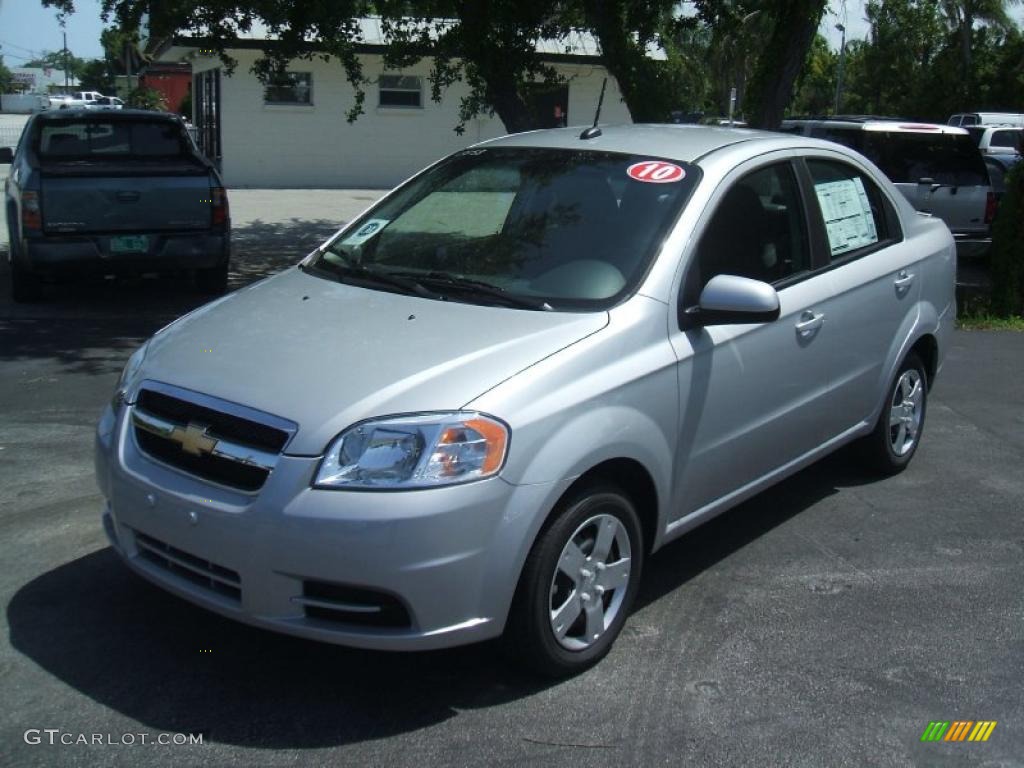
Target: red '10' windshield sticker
(655, 172)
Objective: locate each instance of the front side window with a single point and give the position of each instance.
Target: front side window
(290, 88)
(758, 230)
(400, 91)
(852, 207)
(569, 229)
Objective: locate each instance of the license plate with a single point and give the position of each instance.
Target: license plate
(129, 244)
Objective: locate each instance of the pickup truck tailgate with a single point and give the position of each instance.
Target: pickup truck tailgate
(129, 203)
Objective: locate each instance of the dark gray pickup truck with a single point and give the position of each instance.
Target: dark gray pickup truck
(113, 193)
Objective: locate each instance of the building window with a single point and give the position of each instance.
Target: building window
(400, 91)
(290, 88)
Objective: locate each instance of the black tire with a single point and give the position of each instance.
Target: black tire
(529, 636)
(879, 449)
(213, 281)
(25, 287)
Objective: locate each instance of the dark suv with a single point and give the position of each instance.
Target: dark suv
(938, 168)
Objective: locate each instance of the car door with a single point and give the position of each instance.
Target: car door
(876, 283)
(752, 397)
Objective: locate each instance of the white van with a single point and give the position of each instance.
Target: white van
(964, 119)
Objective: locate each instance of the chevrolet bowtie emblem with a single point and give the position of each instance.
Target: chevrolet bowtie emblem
(193, 439)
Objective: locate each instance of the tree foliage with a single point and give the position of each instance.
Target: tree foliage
(913, 63)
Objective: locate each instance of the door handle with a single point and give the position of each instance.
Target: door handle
(903, 280)
(809, 323)
(128, 197)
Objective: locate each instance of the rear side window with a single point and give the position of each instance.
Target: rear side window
(83, 139)
(855, 213)
(1004, 138)
(945, 158)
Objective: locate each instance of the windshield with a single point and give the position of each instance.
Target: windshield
(97, 137)
(536, 228)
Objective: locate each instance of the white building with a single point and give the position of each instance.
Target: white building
(40, 80)
(296, 135)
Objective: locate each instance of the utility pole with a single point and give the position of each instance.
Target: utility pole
(839, 74)
(65, 62)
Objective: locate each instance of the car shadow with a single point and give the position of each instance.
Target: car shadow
(178, 668)
(712, 542)
(90, 325)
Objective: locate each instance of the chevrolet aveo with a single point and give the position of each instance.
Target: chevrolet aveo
(476, 410)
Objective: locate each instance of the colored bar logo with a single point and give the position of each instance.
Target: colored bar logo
(958, 730)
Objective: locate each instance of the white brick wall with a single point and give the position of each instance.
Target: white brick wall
(295, 146)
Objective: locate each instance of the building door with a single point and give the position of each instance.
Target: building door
(206, 108)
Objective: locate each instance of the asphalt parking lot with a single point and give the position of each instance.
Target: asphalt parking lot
(825, 622)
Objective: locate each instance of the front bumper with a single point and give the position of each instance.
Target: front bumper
(79, 254)
(449, 556)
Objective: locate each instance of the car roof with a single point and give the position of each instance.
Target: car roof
(686, 143)
(56, 115)
(879, 124)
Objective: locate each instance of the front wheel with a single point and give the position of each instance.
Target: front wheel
(578, 584)
(892, 444)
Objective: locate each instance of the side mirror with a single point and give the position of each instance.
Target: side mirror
(734, 300)
(6, 155)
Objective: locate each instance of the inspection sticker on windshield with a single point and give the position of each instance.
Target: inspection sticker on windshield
(365, 232)
(655, 172)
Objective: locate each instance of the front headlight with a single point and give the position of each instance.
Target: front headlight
(130, 369)
(415, 452)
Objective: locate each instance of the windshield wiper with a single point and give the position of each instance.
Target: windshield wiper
(364, 274)
(466, 285)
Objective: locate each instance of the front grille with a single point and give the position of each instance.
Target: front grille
(223, 425)
(200, 572)
(211, 439)
(223, 471)
(340, 604)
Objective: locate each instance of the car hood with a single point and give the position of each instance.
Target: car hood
(326, 355)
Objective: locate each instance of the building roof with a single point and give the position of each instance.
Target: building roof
(373, 37)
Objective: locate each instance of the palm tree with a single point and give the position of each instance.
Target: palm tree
(961, 16)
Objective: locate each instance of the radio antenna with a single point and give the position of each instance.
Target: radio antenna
(593, 131)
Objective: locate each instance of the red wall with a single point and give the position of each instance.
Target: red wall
(173, 85)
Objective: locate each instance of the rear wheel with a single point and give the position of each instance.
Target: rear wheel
(891, 446)
(25, 287)
(578, 584)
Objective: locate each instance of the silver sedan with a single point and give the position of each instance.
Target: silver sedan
(478, 408)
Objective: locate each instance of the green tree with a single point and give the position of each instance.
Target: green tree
(961, 15)
(816, 85)
(6, 79)
(1008, 248)
(57, 60)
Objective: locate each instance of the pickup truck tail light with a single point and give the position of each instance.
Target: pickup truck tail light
(990, 208)
(219, 196)
(31, 213)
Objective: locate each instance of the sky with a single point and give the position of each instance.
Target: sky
(26, 28)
